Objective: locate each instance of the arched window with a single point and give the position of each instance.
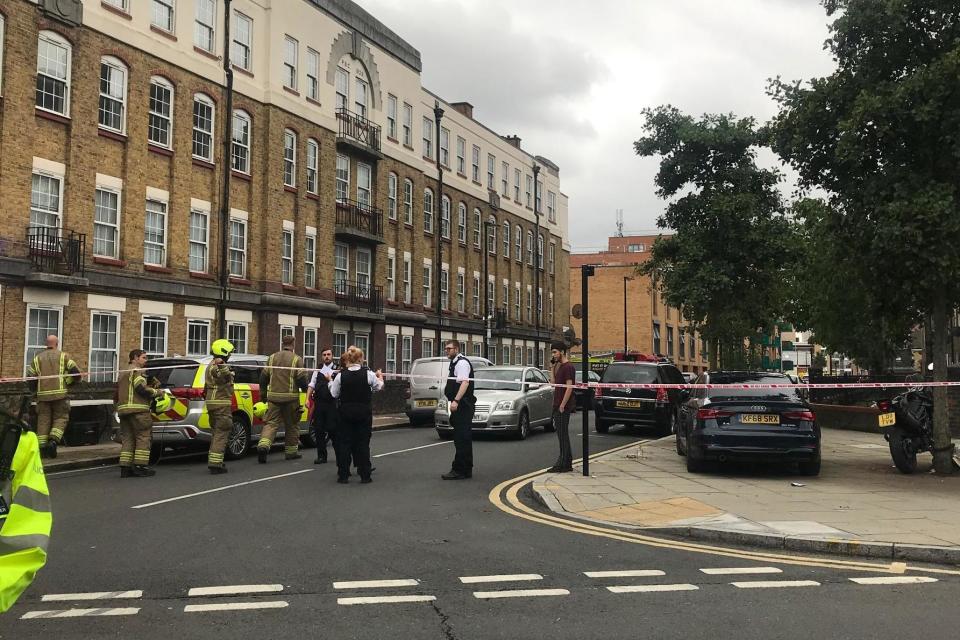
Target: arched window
(160, 124)
(506, 239)
(462, 223)
(407, 201)
(54, 57)
(477, 231)
(240, 147)
(203, 115)
(518, 248)
(289, 158)
(313, 165)
(530, 247)
(492, 235)
(428, 211)
(112, 112)
(392, 196)
(445, 217)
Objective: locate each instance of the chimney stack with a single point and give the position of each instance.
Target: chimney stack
(464, 108)
(514, 140)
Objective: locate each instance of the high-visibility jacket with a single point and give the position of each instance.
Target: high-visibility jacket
(218, 386)
(283, 377)
(25, 530)
(133, 393)
(56, 370)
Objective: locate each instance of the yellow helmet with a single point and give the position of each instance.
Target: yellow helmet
(161, 404)
(221, 348)
(259, 409)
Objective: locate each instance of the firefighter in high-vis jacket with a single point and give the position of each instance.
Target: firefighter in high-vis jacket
(218, 390)
(134, 400)
(25, 516)
(55, 371)
(283, 379)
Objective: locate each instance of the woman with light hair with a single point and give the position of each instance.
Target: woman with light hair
(355, 387)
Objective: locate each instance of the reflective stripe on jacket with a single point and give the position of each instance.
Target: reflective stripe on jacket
(218, 386)
(283, 377)
(133, 394)
(25, 530)
(56, 371)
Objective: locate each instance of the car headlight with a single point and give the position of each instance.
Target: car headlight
(504, 405)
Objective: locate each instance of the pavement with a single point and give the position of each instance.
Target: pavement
(858, 505)
(108, 453)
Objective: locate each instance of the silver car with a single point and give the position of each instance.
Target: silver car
(509, 400)
(428, 377)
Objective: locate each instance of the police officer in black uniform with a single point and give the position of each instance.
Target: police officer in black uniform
(324, 407)
(354, 386)
(461, 403)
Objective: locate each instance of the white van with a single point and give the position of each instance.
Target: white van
(428, 377)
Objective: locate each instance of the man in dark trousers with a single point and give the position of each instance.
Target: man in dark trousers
(324, 407)
(563, 402)
(354, 386)
(461, 403)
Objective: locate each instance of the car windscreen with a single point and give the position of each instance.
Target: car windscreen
(494, 380)
(630, 373)
(783, 394)
(428, 373)
(181, 376)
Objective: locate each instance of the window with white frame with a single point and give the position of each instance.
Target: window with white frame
(475, 164)
(461, 294)
(505, 359)
(198, 337)
(341, 264)
(407, 276)
(46, 200)
(516, 185)
(392, 196)
(203, 112)
(551, 206)
(516, 302)
(426, 348)
(339, 343)
(119, 4)
(552, 257)
(391, 275)
(444, 289)
(551, 308)
(162, 16)
(530, 247)
(104, 346)
(505, 296)
(310, 261)
(53, 73)
(199, 240)
(428, 210)
(491, 171)
(506, 239)
(42, 321)
(289, 158)
(362, 342)
(343, 178)
(529, 190)
(529, 305)
(477, 231)
(391, 355)
(529, 355)
(407, 201)
(286, 330)
(204, 25)
(155, 233)
(237, 256)
(539, 303)
(310, 348)
(462, 223)
(476, 294)
(505, 179)
(360, 97)
(445, 217)
(538, 196)
(491, 295)
(363, 260)
(540, 252)
(342, 87)
(241, 49)
(286, 257)
(407, 124)
(427, 285)
(106, 223)
(428, 138)
(518, 247)
(313, 165)
(518, 354)
(237, 334)
(291, 50)
(313, 75)
(364, 184)
(461, 156)
(153, 336)
(445, 147)
(392, 116)
(113, 95)
(406, 354)
(463, 347)
(160, 124)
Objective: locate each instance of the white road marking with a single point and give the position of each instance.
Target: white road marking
(229, 486)
(775, 584)
(376, 584)
(652, 588)
(235, 590)
(234, 606)
(76, 471)
(894, 580)
(519, 593)
(426, 446)
(517, 577)
(735, 571)
(98, 595)
(385, 600)
(634, 573)
(79, 613)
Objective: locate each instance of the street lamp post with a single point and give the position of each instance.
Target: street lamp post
(438, 226)
(625, 343)
(486, 288)
(226, 165)
(536, 260)
(586, 271)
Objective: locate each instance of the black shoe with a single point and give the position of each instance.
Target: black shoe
(293, 456)
(366, 480)
(320, 460)
(343, 480)
(372, 469)
(217, 469)
(140, 471)
(52, 449)
(262, 455)
(125, 472)
(455, 475)
(558, 469)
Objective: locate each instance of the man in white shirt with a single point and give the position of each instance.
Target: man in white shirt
(459, 393)
(355, 386)
(324, 417)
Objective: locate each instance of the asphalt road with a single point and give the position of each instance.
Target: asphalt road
(294, 537)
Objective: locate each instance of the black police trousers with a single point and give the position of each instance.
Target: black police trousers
(354, 428)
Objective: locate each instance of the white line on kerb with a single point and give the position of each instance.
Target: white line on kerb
(519, 593)
(234, 606)
(775, 584)
(894, 580)
(652, 588)
(229, 486)
(735, 571)
(79, 613)
(426, 446)
(98, 595)
(502, 578)
(376, 584)
(633, 573)
(385, 600)
(235, 590)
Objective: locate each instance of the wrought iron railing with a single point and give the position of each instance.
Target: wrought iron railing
(55, 250)
(355, 216)
(500, 319)
(359, 297)
(355, 127)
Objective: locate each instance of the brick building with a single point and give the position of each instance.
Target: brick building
(652, 326)
(112, 164)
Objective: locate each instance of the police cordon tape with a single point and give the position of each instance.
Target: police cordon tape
(576, 385)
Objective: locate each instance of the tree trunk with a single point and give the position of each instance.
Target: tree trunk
(942, 446)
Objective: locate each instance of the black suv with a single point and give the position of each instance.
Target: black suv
(635, 406)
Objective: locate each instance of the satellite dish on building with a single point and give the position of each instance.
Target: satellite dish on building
(577, 311)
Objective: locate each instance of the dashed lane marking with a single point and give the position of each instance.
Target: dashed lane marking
(385, 600)
(229, 486)
(632, 573)
(652, 588)
(894, 580)
(376, 584)
(519, 593)
(775, 584)
(79, 613)
(234, 606)
(518, 577)
(235, 590)
(97, 595)
(736, 571)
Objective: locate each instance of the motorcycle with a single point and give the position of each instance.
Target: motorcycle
(907, 424)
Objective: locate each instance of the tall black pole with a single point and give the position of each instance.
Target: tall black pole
(585, 272)
(438, 228)
(226, 163)
(625, 278)
(486, 289)
(536, 261)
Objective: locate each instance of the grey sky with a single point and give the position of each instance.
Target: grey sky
(571, 77)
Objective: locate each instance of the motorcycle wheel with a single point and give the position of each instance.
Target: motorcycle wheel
(902, 451)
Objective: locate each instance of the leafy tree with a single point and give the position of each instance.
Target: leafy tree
(727, 264)
(881, 135)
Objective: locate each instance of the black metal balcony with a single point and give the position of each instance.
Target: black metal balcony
(500, 319)
(356, 131)
(57, 251)
(359, 221)
(367, 298)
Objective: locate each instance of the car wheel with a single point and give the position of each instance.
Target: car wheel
(811, 467)
(523, 427)
(694, 464)
(602, 426)
(550, 426)
(238, 442)
(444, 435)
(668, 426)
(156, 452)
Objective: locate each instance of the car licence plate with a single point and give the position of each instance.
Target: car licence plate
(887, 419)
(425, 403)
(760, 418)
(629, 404)
(479, 417)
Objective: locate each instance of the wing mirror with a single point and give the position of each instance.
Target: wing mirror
(533, 386)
